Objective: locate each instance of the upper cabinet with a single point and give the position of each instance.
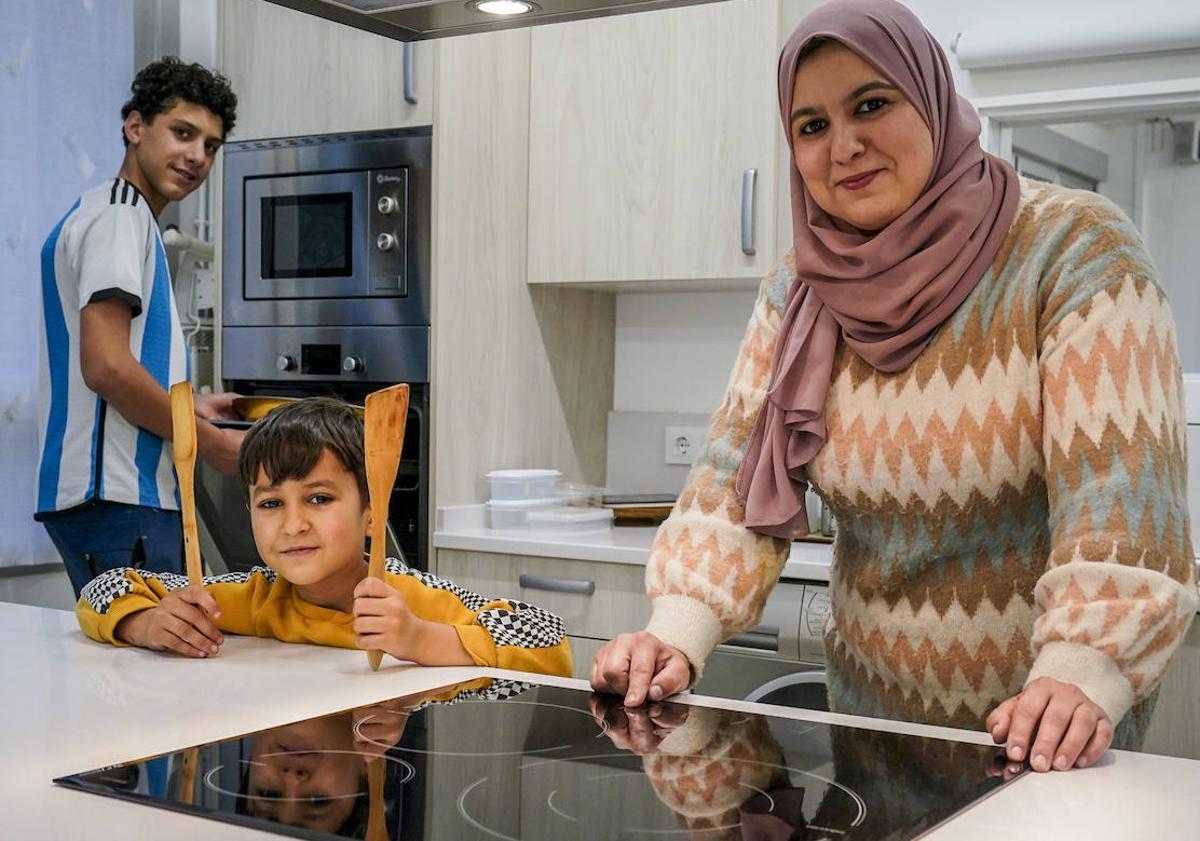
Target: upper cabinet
(655, 152)
(297, 74)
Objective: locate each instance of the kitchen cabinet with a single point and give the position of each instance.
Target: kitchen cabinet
(521, 375)
(596, 600)
(643, 129)
(296, 74)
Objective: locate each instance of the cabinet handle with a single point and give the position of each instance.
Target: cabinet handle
(762, 638)
(409, 96)
(748, 179)
(558, 585)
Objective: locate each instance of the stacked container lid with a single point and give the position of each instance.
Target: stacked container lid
(528, 499)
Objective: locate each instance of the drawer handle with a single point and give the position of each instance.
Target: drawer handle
(558, 585)
(762, 638)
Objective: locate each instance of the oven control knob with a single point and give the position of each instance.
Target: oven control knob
(388, 205)
(385, 242)
(353, 364)
(284, 362)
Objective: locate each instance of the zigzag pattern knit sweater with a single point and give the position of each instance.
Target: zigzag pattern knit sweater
(1011, 505)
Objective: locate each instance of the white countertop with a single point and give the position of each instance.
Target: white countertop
(70, 705)
(465, 527)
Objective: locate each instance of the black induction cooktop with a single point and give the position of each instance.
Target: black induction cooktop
(501, 760)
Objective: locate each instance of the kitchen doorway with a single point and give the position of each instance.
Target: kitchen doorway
(1138, 145)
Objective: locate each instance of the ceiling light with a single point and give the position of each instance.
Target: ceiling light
(502, 7)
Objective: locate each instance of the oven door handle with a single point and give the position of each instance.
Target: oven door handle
(577, 586)
(760, 638)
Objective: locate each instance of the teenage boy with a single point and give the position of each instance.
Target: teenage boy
(112, 343)
(306, 485)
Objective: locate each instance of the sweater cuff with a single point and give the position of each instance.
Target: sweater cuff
(694, 735)
(1094, 672)
(478, 644)
(689, 625)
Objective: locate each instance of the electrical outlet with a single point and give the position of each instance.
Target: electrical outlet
(681, 443)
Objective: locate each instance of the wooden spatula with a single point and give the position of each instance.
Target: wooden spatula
(376, 816)
(383, 438)
(183, 425)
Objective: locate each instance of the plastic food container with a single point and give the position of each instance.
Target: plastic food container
(513, 513)
(572, 520)
(522, 484)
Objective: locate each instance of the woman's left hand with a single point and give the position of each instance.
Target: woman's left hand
(1071, 729)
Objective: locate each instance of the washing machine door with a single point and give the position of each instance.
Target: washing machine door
(804, 689)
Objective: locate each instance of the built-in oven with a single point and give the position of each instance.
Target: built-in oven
(325, 289)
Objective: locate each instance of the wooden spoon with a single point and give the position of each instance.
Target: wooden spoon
(183, 425)
(187, 776)
(383, 439)
(376, 816)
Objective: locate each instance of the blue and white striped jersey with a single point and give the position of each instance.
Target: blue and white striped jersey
(108, 245)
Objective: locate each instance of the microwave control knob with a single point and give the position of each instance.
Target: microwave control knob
(385, 242)
(284, 362)
(353, 364)
(388, 205)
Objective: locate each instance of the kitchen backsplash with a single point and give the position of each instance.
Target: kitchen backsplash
(636, 462)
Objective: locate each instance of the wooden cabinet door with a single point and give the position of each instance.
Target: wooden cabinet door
(615, 600)
(297, 74)
(642, 128)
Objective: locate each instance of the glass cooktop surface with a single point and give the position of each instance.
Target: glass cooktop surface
(500, 760)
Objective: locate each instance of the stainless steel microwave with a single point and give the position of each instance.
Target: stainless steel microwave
(328, 230)
(330, 234)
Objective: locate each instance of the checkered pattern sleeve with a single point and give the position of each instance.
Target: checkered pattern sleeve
(501, 632)
(117, 593)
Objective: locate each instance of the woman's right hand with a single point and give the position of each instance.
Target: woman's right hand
(640, 666)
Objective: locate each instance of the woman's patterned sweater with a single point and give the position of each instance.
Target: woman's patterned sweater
(1010, 506)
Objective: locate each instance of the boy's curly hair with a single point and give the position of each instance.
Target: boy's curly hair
(289, 441)
(160, 85)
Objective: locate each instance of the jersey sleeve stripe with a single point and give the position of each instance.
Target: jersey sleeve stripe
(155, 357)
(58, 345)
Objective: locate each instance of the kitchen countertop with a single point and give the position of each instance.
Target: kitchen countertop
(70, 704)
(465, 527)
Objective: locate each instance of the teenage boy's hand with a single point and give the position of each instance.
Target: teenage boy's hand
(217, 406)
(182, 622)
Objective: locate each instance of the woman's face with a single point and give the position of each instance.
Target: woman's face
(861, 147)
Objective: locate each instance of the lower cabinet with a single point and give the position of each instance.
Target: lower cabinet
(595, 599)
(1175, 728)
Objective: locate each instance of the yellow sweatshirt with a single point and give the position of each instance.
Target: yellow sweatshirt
(501, 633)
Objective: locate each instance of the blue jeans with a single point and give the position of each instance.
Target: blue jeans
(107, 535)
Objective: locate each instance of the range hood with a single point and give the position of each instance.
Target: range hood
(423, 19)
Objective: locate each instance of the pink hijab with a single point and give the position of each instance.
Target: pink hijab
(885, 292)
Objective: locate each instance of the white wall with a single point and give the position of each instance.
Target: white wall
(674, 351)
(1170, 196)
(1119, 142)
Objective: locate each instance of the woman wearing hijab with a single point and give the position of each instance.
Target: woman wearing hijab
(979, 375)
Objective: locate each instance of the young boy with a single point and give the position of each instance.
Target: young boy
(111, 343)
(305, 479)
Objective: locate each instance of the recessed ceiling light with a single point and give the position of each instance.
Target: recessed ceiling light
(502, 7)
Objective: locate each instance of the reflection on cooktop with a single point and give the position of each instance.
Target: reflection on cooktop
(526, 762)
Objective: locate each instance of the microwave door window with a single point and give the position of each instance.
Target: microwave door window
(307, 236)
